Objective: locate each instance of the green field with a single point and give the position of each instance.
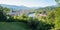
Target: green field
(13, 26)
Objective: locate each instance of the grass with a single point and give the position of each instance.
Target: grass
(13, 26)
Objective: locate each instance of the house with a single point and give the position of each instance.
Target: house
(44, 15)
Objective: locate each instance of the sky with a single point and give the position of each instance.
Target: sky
(29, 3)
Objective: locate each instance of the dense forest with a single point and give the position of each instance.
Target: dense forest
(47, 18)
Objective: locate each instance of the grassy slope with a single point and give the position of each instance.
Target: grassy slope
(13, 26)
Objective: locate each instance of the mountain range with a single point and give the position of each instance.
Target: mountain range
(14, 7)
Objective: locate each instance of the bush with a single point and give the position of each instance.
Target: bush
(33, 23)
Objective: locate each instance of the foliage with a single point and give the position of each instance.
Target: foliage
(3, 13)
(57, 18)
(51, 17)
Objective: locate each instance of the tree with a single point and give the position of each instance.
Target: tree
(57, 18)
(51, 17)
(3, 13)
(58, 2)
